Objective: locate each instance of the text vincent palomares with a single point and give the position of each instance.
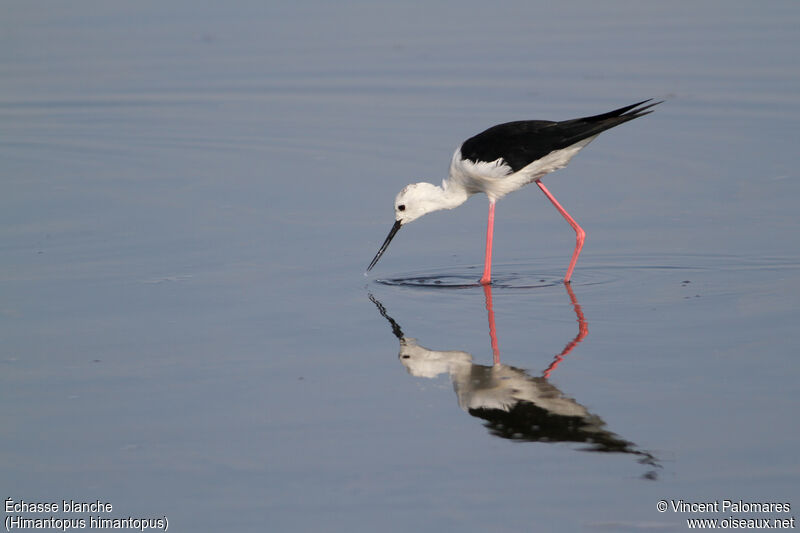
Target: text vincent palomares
(729, 506)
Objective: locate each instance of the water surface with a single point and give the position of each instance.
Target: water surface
(192, 193)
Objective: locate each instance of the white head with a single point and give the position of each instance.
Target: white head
(416, 200)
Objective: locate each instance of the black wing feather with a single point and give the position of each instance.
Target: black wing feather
(523, 142)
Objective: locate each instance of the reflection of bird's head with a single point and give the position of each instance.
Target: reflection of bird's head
(424, 363)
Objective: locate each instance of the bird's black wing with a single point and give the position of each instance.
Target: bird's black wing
(523, 142)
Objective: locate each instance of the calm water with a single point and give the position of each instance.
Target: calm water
(191, 194)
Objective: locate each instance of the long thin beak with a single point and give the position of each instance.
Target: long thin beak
(395, 229)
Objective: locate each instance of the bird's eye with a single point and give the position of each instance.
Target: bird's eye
(401, 207)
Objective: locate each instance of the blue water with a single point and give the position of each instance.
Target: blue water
(191, 194)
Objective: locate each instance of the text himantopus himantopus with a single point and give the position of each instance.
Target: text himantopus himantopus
(501, 160)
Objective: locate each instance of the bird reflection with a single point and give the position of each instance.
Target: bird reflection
(512, 403)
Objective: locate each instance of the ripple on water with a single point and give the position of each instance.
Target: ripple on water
(602, 270)
(516, 276)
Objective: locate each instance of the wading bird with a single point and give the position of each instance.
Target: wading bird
(503, 159)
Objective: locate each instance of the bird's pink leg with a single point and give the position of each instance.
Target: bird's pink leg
(583, 330)
(487, 293)
(579, 233)
(487, 264)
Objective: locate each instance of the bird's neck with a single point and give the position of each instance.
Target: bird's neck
(452, 195)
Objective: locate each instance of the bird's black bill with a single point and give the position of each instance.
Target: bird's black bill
(395, 229)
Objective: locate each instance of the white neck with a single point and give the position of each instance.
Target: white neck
(419, 199)
(452, 195)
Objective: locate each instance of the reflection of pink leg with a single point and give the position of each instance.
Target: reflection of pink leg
(487, 293)
(579, 233)
(487, 264)
(583, 330)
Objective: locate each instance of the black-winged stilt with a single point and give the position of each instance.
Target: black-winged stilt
(501, 160)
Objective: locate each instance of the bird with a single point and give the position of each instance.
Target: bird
(503, 159)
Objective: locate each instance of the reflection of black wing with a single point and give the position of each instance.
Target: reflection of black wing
(523, 142)
(525, 421)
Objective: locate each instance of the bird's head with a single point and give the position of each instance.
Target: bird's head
(416, 200)
(411, 203)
